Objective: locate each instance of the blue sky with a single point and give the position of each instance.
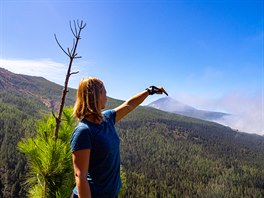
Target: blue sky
(208, 54)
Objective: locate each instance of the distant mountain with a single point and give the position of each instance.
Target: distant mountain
(170, 105)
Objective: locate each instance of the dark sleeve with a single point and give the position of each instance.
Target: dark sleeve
(81, 139)
(110, 115)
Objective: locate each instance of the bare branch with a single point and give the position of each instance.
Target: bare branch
(75, 28)
(69, 52)
(74, 73)
(73, 44)
(74, 34)
(54, 115)
(82, 25)
(60, 45)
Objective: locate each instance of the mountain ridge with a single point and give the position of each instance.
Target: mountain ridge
(36, 88)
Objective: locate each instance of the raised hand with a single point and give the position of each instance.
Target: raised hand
(156, 90)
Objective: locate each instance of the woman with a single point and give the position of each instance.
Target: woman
(95, 143)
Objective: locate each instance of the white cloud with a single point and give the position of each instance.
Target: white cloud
(52, 70)
(247, 111)
(47, 68)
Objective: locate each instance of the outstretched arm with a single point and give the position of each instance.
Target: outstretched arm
(132, 103)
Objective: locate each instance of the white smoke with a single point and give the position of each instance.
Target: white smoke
(247, 111)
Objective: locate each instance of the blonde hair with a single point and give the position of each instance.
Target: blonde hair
(88, 99)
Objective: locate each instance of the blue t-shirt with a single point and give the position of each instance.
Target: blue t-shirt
(104, 166)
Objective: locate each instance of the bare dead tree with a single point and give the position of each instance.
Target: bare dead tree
(71, 53)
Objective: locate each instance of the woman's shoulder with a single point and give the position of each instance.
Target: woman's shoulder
(82, 127)
(81, 137)
(109, 114)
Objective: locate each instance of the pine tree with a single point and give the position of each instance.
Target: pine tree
(50, 164)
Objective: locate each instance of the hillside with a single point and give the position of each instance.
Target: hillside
(44, 93)
(163, 154)
(170, 105)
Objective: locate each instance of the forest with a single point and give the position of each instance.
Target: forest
(162, 154)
